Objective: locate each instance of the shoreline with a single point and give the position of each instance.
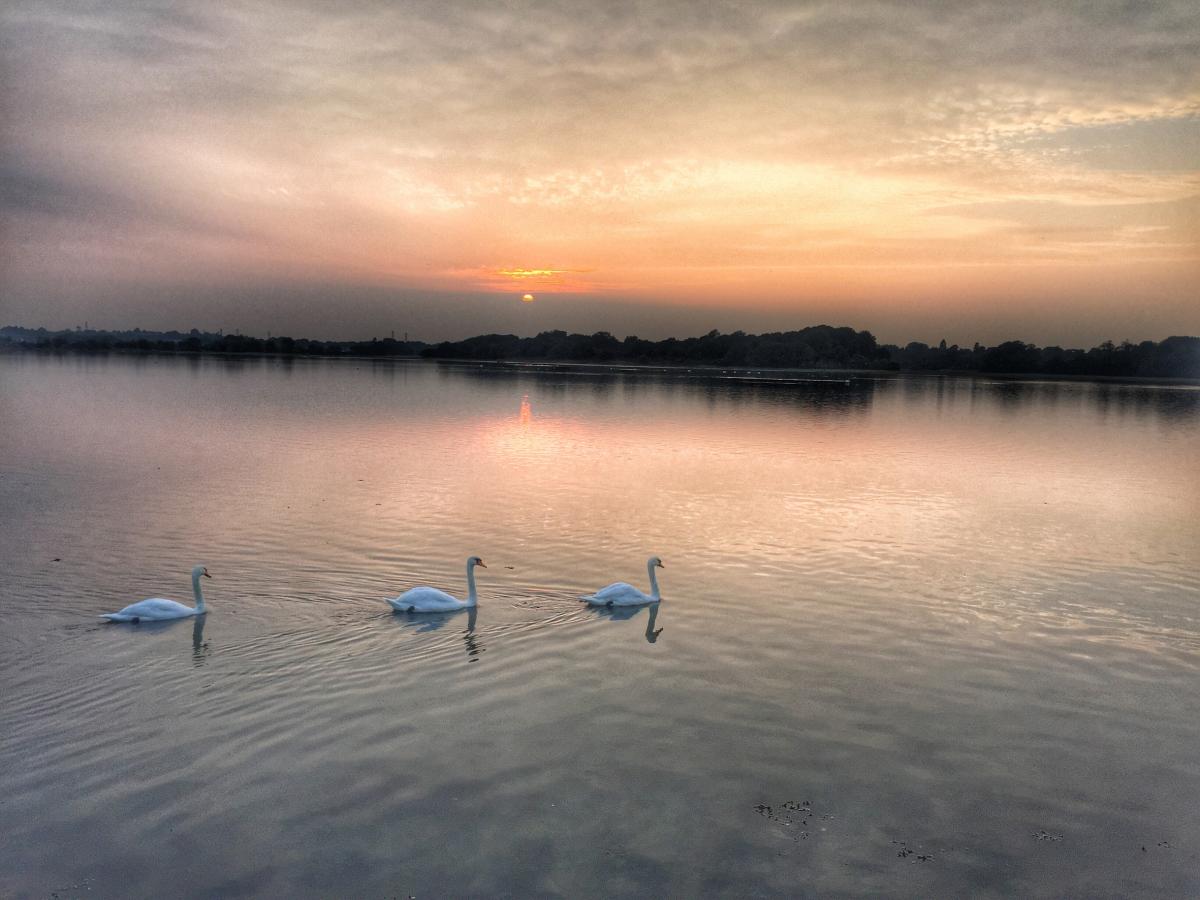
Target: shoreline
(755, 373)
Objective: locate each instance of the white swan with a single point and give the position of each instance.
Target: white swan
(427, 599)
(156, 609)
(622, 594)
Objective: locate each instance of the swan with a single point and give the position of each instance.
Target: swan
(156, 609)
(622, 594)
(427, 599)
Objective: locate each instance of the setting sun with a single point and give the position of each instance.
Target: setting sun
(528, 298)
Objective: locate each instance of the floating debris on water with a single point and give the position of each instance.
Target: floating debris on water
(789, 814)
(906, 851)
(84, 884)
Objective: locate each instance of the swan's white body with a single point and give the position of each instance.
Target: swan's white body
(622, 594)
(156, 609)
(427, 599)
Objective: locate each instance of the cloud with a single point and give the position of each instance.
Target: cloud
(29, 189)
(658, 145)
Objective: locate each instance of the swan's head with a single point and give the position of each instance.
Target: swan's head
(200, 570)
(655, 563)
(476, 561)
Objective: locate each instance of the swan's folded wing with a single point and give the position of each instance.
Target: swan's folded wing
(613, 593)
(426, 599)
(157, 608)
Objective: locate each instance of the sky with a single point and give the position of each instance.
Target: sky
(975, 171)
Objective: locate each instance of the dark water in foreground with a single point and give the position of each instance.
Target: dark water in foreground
(920, 637)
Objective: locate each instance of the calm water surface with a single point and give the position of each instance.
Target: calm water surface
(920, 637)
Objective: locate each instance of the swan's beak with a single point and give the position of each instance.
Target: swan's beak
(481, 564)
(659, 565)
(206, 575)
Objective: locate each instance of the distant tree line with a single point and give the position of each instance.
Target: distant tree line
(825, 347)
(196, 341)
(816, 347)
(1174, 357)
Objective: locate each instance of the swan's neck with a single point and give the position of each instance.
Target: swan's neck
(653, 582)
(197, 594)
(471, 598)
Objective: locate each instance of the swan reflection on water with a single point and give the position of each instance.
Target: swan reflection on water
(162, 627)
(622, 613)
(422, 623)
(199, 644)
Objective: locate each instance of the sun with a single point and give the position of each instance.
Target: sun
(528, 298)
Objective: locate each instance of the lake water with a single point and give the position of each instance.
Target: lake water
(920, 637)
